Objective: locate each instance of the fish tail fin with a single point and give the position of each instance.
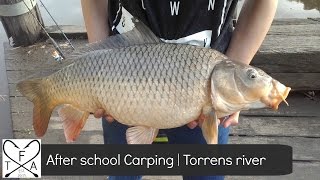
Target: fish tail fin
(34, 91)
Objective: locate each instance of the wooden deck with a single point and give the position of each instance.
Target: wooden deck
(291, 53)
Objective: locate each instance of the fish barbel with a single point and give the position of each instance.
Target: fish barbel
(149, 85)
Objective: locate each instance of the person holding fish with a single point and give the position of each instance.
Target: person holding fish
(205, 23)
(162, 68)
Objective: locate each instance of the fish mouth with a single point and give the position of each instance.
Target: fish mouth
(278, 94)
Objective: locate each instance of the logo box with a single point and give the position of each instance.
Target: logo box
(21, 158)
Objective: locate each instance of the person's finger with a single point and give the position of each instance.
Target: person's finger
(192, 124)
(197, 122)
(99, 113)
(221, 120)
(200, 120)
(109, 118)
(231, 120)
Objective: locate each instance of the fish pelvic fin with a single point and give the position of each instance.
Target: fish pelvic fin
(141, 135)
(209, 128)
(34, 90)
(73, 121)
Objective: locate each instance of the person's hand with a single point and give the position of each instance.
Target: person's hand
(232, 119)
(101, 113)
(197, 122)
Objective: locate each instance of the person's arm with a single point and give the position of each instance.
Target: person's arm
(95, 14)
(253, 24)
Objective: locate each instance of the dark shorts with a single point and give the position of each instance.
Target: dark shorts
(115, 133)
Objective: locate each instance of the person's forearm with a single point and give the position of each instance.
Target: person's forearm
(253, 24)
(95, 14)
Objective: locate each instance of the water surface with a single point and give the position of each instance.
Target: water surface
(69, 12)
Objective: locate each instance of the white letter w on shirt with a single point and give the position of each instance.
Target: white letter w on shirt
(174, 7)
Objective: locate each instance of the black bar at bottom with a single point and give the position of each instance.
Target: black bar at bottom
(166, 159)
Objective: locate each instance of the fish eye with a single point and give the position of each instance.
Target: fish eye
(252, 74)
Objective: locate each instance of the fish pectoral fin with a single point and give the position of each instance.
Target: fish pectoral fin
(73, 121)
(141, 135)
(210, 128)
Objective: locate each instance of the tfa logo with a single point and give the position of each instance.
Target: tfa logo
(21, 158)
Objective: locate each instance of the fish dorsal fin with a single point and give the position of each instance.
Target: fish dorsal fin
(140, 34)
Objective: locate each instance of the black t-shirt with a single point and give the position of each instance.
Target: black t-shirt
(205, 23)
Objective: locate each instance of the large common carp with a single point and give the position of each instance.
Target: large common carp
(149, 85)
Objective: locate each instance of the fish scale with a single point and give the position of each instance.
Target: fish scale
(178, 83)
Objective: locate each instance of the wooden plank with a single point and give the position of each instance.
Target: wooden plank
(23, 122)
(278, 126)
(20, 105)
(287, 62)
(36, 57)
(30, 64)
(56, 136)
(294, 21)
(299, 106)
(71, 31)
(299, 81)
(67, 29)
(293, 44)
(16, 76)
(5, 113)
(13, 90)
(307, 29)
(290, 46)
(29, 59)
(301, 171)
(306, 149)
